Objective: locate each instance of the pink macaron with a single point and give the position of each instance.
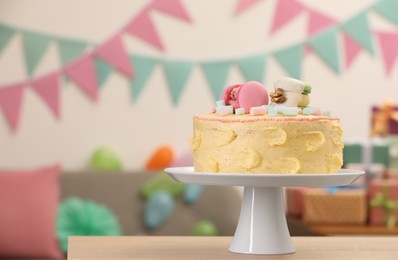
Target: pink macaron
(251, 94)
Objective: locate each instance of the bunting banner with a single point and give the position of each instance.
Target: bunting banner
(89, 65)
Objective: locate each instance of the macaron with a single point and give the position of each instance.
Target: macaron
(251, 94)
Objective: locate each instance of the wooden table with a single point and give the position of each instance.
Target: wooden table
(146, 247)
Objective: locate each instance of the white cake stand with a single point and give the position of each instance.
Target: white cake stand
(262, 227)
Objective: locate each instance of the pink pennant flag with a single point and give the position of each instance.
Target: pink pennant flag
(389, 48)
(242, 5)
(114, 52)
(143, 27)
(11, 102)
(47, 87)
(352, 49)
(82, 72)
(318, 21)
(286, 10)
(172, 7)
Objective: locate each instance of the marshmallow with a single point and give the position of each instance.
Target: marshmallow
(240, 111)
(261, 110)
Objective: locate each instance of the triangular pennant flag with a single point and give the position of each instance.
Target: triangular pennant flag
(47, 87)
(143, 27)
(358, 28)
(325, 45)
(216, 73)
(113, 52)
(389, 48)
(351, 48)
(6, 34)
(11, 102)
(143, 67)
(34, 46)
(82, 72)
(172, 7)
(242, 5)
(318, 21)
(103, 70)
(253, 67)
(388, 9)
(177, 74)
(70, 49)
(290, 59)
(286, 10)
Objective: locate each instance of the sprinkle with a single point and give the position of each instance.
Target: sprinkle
(240, 111)
(261, 110)
(326, 113)
(273, 112)
(289, 111)
(317, 112)
(229, 109)
(308, 110)
(220, 103)
(212, 110)
(223, 112)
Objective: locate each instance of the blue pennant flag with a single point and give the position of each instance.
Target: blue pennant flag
(290, 60)
(253, 67)
(177, 74)
(143, 67)
(216, 73)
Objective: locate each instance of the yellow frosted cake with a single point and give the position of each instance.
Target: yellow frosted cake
(248, 135)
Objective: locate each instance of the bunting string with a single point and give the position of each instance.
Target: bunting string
(88, 65)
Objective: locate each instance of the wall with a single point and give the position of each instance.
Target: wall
(135, 129)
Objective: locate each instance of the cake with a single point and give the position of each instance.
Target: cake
(249, 132)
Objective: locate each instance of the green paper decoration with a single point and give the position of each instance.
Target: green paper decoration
(143, 67)
(177, 74)
(290, 59)
(381, 154)
(78, 217)
(161, 182)
(358, 28)
(6, 34)
(325, 45)
(103, 70)
(388, 9)
(34, 46)
(253, 67)
(216, 73)
(70, 49)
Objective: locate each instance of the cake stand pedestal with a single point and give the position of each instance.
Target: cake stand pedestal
(262, 227)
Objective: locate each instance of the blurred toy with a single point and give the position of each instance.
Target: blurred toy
(183, 160)
(193, 192)
(204, 228)
(160, 159)
(104, 158)
(158, 209)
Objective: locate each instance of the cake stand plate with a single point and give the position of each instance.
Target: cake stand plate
(262, 227)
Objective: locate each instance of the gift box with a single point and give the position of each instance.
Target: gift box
(343, 206)
(295, 200)
(383, 202)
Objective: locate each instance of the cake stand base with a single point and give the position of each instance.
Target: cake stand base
(262, 227)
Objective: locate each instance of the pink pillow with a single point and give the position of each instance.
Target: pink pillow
(29, 203)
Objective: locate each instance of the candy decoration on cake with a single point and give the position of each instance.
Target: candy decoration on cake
(246, 96)
(288, 91)
(77, 217)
